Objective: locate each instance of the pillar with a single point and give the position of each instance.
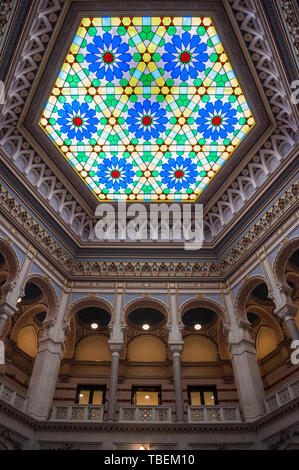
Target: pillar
(47, 362)
(176, 350)
(288, 312)
(176, 345)
(281, 293)
(246, 371)
(45, 372)
(115, 349)
(11, 291)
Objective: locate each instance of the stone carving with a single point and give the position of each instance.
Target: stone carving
(250, 177)
(103, 268)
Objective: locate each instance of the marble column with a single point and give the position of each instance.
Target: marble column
(288, 312)
(11, 291)
(284, 307)
(176, 350)
(247, 374)
(45, 372)
(115, 349)
(6, 311)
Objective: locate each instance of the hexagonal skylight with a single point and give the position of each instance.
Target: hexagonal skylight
(147, 108)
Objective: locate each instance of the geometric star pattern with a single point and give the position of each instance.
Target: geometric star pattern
(147, 108)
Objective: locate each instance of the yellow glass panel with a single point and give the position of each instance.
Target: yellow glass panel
(195, 399)
(147, 398)
(84, 397)
(209, 398)
(97, 398)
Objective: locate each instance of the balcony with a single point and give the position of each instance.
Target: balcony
(12, 396)
(280, 397)
(214, 414)
(82, 413)
(145, 414)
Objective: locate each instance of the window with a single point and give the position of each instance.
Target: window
(200, 396)
(91, 394)
(146, 396)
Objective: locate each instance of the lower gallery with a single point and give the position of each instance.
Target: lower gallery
(144, 339)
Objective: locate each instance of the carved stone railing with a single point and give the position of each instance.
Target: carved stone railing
(145, 414)
(214, 414)
(77, 413)
(283, 395)
(12, 396)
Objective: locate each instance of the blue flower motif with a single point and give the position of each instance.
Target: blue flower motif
(108, 57)
(115, 173)
(147, 120)
(185, 57)
(179, 173)
(77, 120)
(216, 120)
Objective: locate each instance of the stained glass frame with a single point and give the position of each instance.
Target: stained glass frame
(216, 11)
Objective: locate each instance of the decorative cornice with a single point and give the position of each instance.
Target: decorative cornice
(291, 17)
(288, 201)
(149, 427)
(6, 8)
(43, 180)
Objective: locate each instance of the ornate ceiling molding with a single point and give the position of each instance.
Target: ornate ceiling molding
(291, 16)
(284, 206)
(6, 8)
(235, 198)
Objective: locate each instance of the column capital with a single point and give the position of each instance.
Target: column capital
(115, 347)
(286, 311)
(7, 308)
(176, 348)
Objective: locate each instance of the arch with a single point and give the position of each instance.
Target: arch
(49, 293)
(282, 258)
(11, 259)
(87, 302)
(199, 349)
(244, 293)
(25, 319)
(207, 303)
(27, 340)
(93, 348)
(265, 342)
(146, 348)
(143, 302)
(267, 319)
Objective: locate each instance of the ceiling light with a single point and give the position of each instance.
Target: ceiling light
(147, 397)
(94, 326)
(145, 326)
(81, 395)
(197, 326)
(19, 300)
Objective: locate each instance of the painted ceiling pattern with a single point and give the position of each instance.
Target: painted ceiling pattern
(147, 108)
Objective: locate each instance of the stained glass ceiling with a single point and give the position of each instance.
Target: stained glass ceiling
(147, 108)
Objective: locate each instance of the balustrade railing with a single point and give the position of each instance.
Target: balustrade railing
(151, 414)
(145, 414)
(77, 413)
(12, 396)
(214, 414)
(280, 397)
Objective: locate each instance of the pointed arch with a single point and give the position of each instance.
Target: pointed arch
(282, 258)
